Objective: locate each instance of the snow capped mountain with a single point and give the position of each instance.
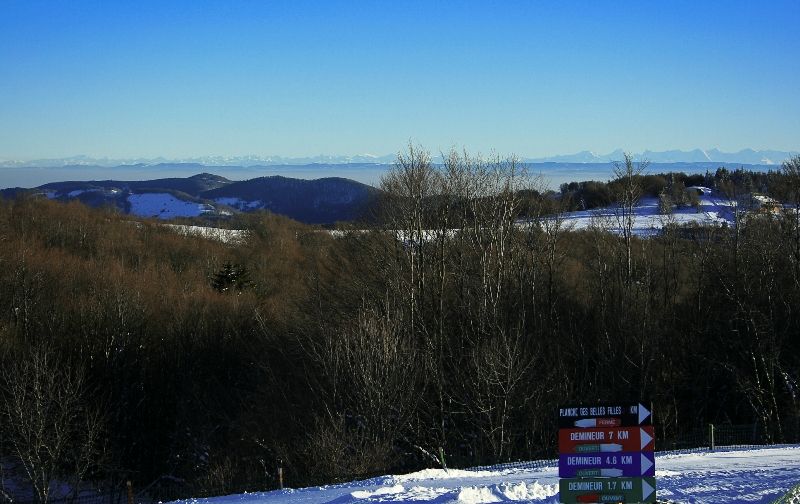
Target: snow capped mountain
(675, 156)
(579, 157)
(744, 156)
(243, 161)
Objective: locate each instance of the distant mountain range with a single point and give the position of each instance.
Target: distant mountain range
(243, 161)
(745, 156)
(320, 201)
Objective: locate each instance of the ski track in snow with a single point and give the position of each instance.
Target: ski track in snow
(724, 476)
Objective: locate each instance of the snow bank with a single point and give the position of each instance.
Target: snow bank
(506, 492)
(441, 474)
(366, 494)
(477, 494)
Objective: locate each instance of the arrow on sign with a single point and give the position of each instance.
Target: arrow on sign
(631, 414)
(574, 490)
(645, 439)
(585, 465)
(646, 462)
(647, 490)
(614, 439)
(643, 413)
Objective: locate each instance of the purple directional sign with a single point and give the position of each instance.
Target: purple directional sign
(584, 465)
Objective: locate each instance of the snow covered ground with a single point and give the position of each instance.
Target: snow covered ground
(165, 206)
(241, 204)
(233, 236)
(724, 476)
(712, 210)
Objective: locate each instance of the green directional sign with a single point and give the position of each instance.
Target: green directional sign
(574, 490)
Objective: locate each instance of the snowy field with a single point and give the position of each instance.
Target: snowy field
(712, 210)
(232, 236)
(165, 206)
(723, 476)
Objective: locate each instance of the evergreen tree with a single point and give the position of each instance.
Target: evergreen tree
(232, 277)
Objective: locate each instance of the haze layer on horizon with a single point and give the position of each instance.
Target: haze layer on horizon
(185, 79)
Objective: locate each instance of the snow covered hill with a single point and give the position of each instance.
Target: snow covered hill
(723, 476)
(319, 201)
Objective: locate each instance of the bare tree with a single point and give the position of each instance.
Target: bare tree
(791, 172)
(49, 427)
(416, 214)
(371, 368)
(410, 188)
(459, 255)
(629, 191)
(496, 378)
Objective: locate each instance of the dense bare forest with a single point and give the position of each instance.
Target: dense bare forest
(453, 328)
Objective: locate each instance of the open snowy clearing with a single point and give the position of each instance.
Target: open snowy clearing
(711, 211)
(724, 476)
(165, 206)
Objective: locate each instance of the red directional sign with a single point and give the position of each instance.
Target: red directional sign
(608, 440)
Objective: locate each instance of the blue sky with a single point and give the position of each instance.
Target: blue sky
(296, 78)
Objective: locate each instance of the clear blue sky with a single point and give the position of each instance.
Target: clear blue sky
(295, 78)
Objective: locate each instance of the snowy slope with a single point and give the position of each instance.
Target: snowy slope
(711, 211)
(165, 206)
(724, 476)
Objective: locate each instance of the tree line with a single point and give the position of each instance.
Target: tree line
(451, 329)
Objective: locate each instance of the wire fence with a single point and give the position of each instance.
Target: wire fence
(749, 435)
(711, 438)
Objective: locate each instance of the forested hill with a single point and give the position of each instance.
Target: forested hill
(320, 201)
(311, 201)
(193, 186)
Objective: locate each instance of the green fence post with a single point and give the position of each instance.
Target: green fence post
(711, 436)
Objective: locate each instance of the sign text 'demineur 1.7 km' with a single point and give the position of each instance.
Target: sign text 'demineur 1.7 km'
(607, 490)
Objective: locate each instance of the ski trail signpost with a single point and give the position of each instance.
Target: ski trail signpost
(606, 454)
